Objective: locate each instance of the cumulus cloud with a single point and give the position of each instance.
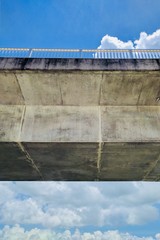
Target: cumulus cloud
(72, 204)
(17, 232)
(109, 42)
(148, 41)
(29, 211)
(145, 41)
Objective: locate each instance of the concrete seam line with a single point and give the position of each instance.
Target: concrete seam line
(22, 121)
(140, 93)
(19, 87)
(29, 159)
(100, 146)
(60, 89)
(99, 157)
(100, 89)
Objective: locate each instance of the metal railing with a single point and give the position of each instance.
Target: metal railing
(80, 53)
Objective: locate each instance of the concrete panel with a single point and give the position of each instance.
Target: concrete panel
(128, 161)
(10, 92)
(59, 88)
(11, 117)
(80, 88)
(65, 161)
(60, 124)
(151, 89)
(130, 124)
(14, 164)
(40, 88)
(121, 88)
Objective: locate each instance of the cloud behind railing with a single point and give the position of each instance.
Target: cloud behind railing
(145, 41)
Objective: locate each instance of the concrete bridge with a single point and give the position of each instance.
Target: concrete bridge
(79, 119)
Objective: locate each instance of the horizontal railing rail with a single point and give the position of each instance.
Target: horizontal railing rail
(80, 53)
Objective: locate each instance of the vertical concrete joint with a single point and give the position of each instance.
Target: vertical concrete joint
(100, 146)
(140, 92)
(100, 90)
(60, 90)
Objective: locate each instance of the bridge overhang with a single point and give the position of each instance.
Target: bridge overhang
(79, 119)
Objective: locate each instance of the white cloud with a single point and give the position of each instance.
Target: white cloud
(157, 236)
(145, 41)
(6, 191)
(76, 204)
(148, 41)
(29, 211)
(109, 42)
(17, 232)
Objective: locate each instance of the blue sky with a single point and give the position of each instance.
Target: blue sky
(74, 23)
(114, 210)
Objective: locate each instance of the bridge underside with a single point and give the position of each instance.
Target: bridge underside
(79, 120)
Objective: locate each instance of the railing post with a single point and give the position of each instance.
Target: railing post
(80, 51)
(30, 53)
(131, 53)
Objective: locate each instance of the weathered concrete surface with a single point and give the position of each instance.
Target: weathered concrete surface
(128, 161)
(65, 161)
(79, 119)
(50, 64)
(10, 92)
(80, 161)
(130, 124)
(79, 124)
(15, 164)
(80, 88)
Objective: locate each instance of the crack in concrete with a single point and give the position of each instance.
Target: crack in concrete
(29, 159)
(19, 87)
(151, 169)
(140, 93)
(22, 121)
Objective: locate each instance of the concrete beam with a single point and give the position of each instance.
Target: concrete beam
(80, 88)
(80, 161)
(79, 124)
(80, 143)
(79, 119)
